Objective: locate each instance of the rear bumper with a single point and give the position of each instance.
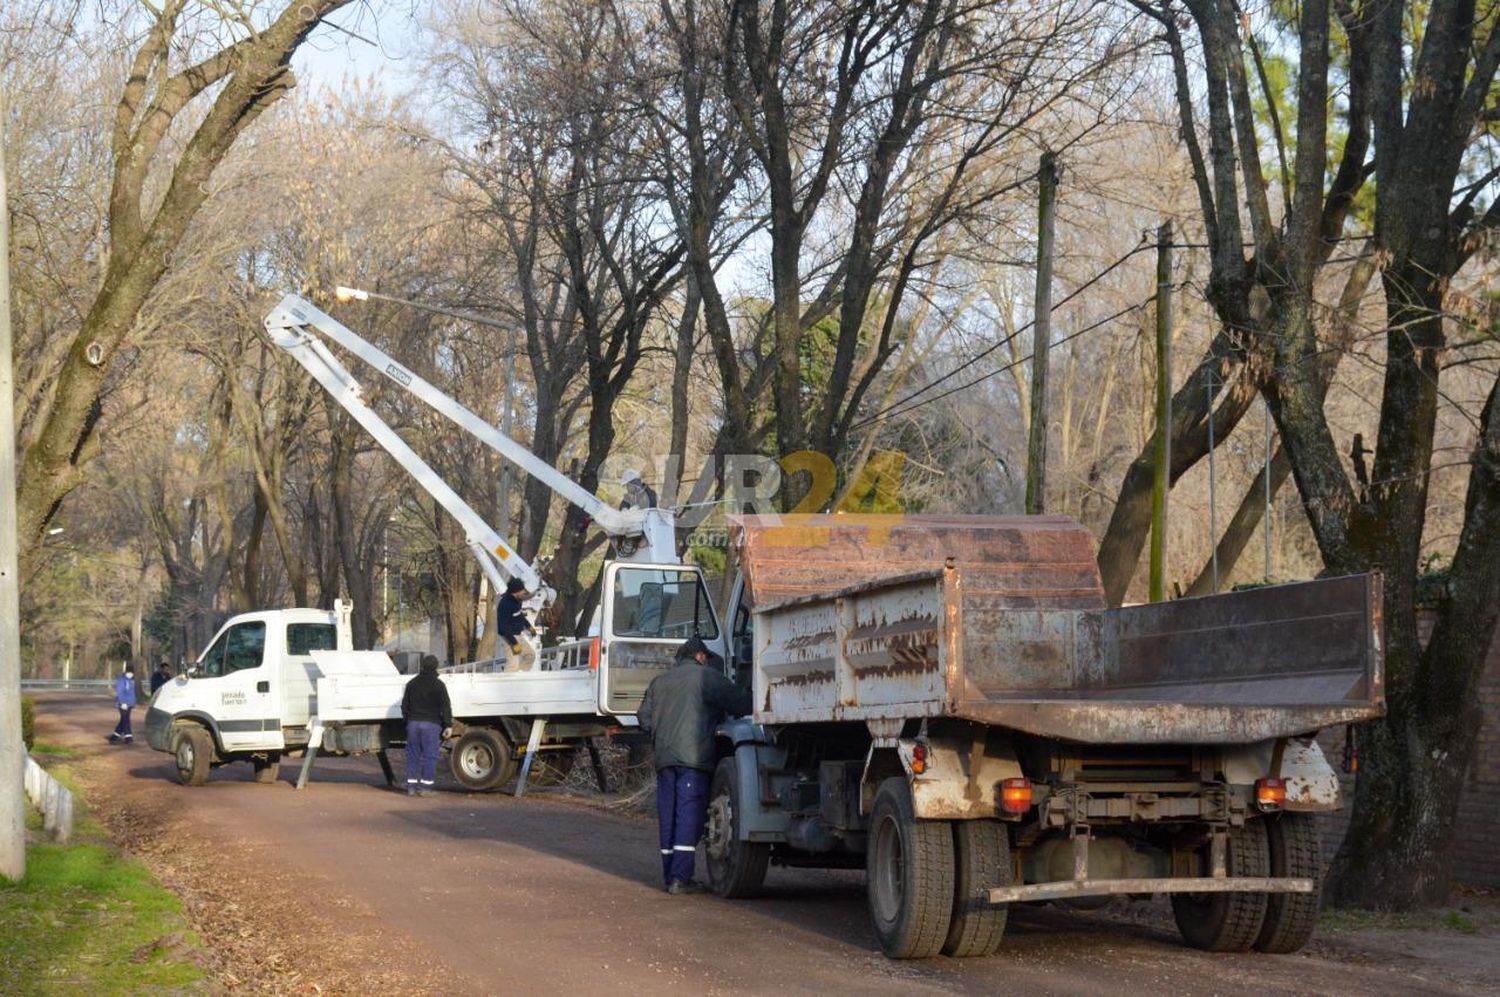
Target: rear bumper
(159, 729)
(1063, 889)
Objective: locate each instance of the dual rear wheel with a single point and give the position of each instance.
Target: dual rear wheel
(928, 881)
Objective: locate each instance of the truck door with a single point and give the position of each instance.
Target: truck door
(649, 611)
(241, 703)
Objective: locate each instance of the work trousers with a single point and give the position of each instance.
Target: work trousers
(422, 738)
(681, 805)
(122, 728)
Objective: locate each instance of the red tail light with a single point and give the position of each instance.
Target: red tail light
(919, 759)
(1015, 796)
(1270, 793)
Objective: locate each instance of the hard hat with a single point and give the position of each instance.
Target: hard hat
(631, 474)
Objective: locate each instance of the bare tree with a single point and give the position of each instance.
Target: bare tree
(1435, 203)
(148, 213)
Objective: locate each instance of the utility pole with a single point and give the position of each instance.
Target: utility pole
(12, 751)
(1161, 480)
(1211, 387)
(1036, 451)
(1266, 478)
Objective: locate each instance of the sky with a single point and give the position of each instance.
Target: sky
(355, 44)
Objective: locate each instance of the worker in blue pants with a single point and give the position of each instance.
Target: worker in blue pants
(681, 801)
(681, 708)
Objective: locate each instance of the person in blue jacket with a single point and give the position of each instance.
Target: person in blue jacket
(125, 700)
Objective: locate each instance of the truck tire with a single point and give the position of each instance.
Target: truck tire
(1228, 922)
(482, 760)
(909, 869)
(981, 853)
(736, 868)
(1295, 851)
(194, 753)
(266, 768)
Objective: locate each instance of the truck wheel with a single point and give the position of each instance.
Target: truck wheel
(550, 768)
(481, 760)
(266, 768)
(1228, 922)
(909, 870)
(1295, 851)
(736, 868)
(194, 753)
(981, 852)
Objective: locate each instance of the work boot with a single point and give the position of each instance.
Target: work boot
(426, 791)
(114, 739)
(683, 887)
(129, 738)
(412, 791)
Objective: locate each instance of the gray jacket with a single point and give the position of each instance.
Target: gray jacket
(683, 706)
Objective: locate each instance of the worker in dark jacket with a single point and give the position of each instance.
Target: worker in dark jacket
(161, 676)
(682, 707)
(427, 711)
(511, 623)
(638, 494)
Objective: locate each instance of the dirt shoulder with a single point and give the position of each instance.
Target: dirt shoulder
(264, 929)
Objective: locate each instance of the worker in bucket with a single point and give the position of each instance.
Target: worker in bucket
(125, 700)
(511, 623)
(680, 711)
(428, 712)
(638, 494)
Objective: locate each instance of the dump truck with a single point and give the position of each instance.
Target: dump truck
(949, 703)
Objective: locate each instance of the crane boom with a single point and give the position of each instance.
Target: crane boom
(288, 330)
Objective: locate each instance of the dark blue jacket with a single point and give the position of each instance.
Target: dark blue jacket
(510, 620)
(125, 690)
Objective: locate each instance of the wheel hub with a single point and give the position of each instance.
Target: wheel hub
(719, 831)
(476, 760)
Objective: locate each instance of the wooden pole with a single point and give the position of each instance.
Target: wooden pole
(1161, 480)
(12, 752)
(1036, 451)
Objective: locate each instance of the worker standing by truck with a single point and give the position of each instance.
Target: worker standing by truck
(680, 711)
(511, 623)
(428, 712)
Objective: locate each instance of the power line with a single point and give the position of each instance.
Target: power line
(1141, 247)
(894, 410)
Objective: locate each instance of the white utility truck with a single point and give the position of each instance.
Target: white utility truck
(281, 681)
(345, 702)
(948, 702)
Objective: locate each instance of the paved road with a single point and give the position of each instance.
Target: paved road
(556, 896)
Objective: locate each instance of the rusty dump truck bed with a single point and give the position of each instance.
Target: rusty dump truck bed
(1002, 620)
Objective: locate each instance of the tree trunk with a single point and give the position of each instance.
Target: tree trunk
(1130, 524)
(1243, 526)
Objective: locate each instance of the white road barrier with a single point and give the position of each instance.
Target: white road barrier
(52, 798)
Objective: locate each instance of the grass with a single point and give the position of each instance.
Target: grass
(1436, 919)
(88, 919)
(52, 750)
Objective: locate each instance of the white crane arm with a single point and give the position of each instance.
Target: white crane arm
(295, 311)
(287, 327)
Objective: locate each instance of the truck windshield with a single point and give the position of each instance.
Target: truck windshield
(305, 638)
(661, 603)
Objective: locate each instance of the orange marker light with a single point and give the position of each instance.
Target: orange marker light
(1270, 793)
(919, 759)
(594, 655)
(1015, 796)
